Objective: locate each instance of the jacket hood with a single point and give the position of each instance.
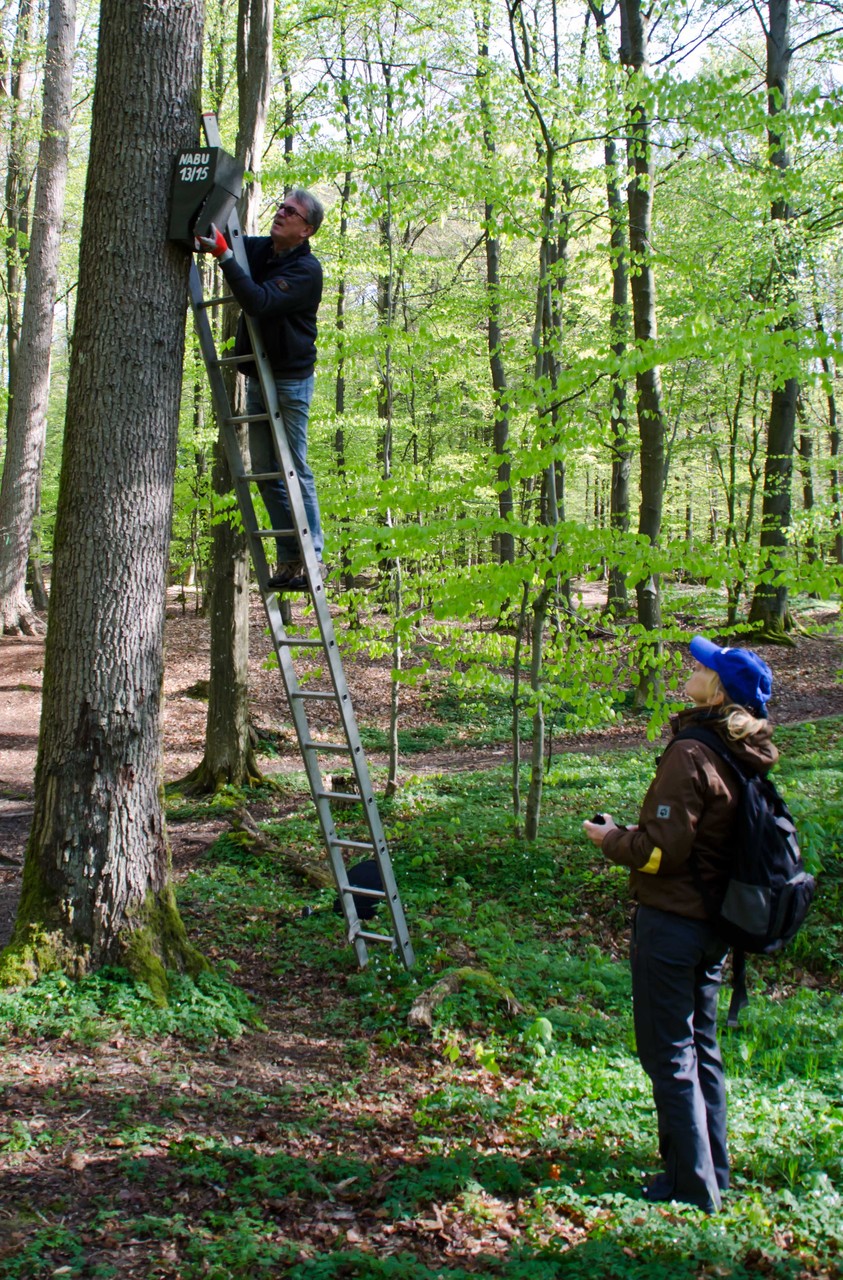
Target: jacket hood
(757, 751)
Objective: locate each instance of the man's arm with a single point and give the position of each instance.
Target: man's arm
(296, 287)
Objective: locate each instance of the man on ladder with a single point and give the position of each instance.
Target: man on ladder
(278, 283)
(282, 295)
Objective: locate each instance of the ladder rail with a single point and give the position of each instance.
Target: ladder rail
(283, 642)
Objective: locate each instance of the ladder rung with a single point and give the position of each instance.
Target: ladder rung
(216, 302)
(328, 686)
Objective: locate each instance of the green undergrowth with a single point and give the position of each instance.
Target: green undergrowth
(97, 1006)
(528, 1125)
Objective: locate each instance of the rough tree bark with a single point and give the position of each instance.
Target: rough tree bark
(96, 884)
(769, 602)
(229, 757)
(19, 493)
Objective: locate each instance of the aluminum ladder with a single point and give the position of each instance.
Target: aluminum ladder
(286, 645)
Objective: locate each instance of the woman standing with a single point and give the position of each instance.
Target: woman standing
(678, 847)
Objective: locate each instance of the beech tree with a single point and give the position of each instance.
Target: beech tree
(769, 603)
(28, 404)
(651, 425)
(96, 886)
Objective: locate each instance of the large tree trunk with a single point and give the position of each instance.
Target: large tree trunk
(229, 756)
(96, 886)
(19, 493)
(769, 603)
(651, 425)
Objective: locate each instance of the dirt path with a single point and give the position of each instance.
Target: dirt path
(808, 684)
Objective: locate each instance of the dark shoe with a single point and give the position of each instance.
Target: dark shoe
(295, 579)
(659, 1191)
(286, 573)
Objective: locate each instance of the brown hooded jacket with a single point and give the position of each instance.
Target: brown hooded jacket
(689, 808)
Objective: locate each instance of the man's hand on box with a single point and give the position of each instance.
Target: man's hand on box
(215, 244)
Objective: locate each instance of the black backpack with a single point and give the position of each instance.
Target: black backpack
(766, 895)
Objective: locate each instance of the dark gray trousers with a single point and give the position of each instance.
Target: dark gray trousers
(677, 964)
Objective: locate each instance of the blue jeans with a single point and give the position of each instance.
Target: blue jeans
(676, 969)
(294, 397)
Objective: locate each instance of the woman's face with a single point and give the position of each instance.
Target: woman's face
(699, 685)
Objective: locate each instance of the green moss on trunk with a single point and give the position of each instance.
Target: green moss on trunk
(157, 941)
(154, 941)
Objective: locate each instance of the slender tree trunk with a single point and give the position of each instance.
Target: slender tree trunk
(27, 421)
(769, 603)
(96, 884)
(339, 386)
(806, 470)
(617, 598)
(833, 446)
(229, 757)
(506, 541)
(516, 708)
(546, 341)
(651, 425)
(18, 183)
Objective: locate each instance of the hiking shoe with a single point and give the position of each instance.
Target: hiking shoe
(295, 579)
(285, 573)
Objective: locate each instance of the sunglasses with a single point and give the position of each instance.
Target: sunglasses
(288, 210)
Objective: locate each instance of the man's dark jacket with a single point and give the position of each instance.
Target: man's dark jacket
(283, 295)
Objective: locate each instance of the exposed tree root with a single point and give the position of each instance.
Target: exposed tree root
(208, 780)
(316, 873)
(21, 622)
(421, 1013)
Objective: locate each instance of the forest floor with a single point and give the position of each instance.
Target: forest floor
(128, 1130)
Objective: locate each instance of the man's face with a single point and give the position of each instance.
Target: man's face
(289, 226)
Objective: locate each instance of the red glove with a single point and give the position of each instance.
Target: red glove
(215, 243)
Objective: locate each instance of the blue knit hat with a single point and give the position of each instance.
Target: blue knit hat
(746, 678)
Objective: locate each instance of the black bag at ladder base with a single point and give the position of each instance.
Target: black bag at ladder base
(767, 892)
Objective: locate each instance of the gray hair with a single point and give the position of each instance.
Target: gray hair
(314, 212)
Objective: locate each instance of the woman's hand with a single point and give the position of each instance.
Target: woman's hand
(597, 831)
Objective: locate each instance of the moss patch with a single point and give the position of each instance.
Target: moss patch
(156, 940)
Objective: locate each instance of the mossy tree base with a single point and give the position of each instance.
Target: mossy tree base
(773, 627)
(152, 944)
(208, 779)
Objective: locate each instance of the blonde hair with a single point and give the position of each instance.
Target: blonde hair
(740, 723)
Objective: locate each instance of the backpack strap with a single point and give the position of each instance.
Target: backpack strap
(740, 997)
(701, 733)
